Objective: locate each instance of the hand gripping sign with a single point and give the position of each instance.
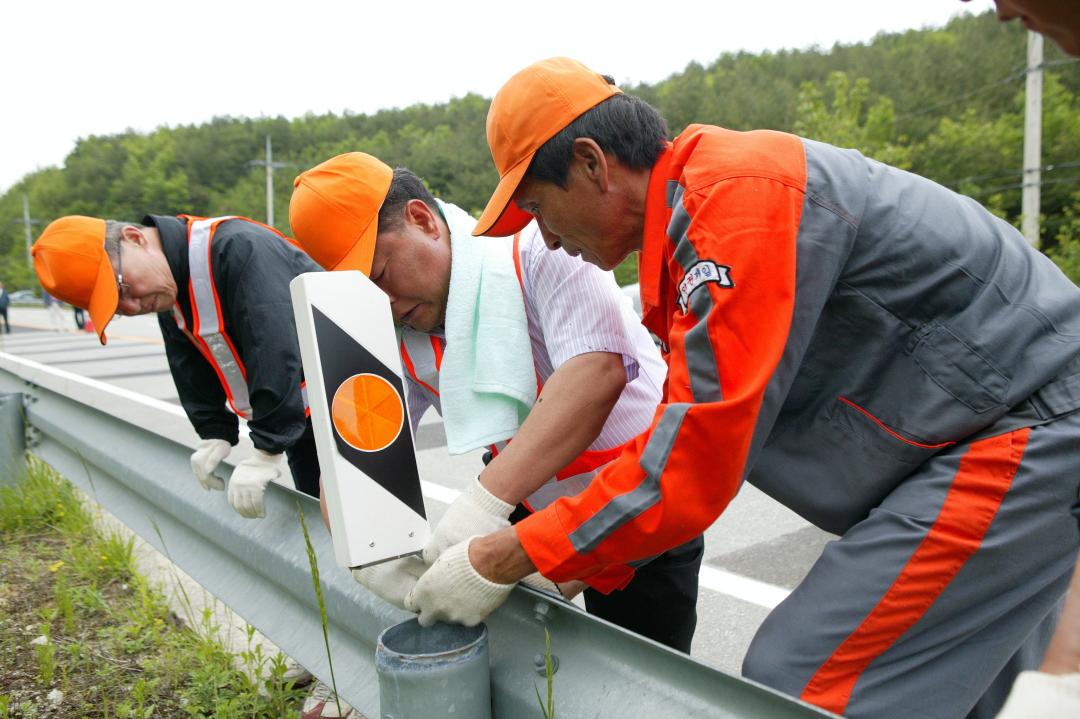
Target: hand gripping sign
(359, 416)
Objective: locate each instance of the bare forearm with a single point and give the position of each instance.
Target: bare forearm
(499, 557)
(567, 418)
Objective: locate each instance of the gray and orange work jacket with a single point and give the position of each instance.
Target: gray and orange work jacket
(830, 323)
(231, 337)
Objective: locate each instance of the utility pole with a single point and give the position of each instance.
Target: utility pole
(1032, 139)
(270, 166)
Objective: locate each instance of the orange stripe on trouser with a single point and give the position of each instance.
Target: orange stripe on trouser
(986, 472)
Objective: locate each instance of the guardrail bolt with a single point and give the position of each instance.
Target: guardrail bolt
(540, 664)
(541, 611)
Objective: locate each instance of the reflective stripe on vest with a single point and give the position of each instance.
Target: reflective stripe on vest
(207, 332)
(422, 356)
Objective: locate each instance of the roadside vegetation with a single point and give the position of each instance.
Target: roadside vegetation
(82, 634)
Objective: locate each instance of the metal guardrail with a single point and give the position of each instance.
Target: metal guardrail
(131, 454)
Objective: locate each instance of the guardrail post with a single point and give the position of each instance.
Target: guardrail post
(12, 438)
(441, 671)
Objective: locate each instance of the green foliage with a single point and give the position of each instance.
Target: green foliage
(112, 646)
(845, 121)
(1067, 252)
(38, 502)
(945, 103)
(627, 271)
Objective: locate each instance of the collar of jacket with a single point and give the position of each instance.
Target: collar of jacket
(654, 242)
(174, 243)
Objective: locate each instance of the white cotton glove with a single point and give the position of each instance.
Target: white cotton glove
(453, 591)
(208, 455)
(391, 581)
(248, 483)
(1037, 695)
(476, 512)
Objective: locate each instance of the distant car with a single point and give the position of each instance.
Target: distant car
(24, 297)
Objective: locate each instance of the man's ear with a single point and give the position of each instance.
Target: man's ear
(423, 217)
(590, 162)
(133, 234)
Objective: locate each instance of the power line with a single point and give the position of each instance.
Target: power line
(1022, 185)
(1011, 77)
(955, 182)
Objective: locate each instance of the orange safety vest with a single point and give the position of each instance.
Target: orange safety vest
(207, 332)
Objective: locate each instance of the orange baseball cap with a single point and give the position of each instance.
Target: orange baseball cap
(530, 109)
(71, 263)
(334, 210)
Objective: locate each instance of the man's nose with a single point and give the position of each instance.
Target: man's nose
(552, 240)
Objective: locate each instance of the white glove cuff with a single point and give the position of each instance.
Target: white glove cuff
(262, 457)
(460, 569)
(1040, 694)
(1056, 687)
(488, 501)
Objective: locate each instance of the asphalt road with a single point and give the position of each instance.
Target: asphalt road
(755, 552)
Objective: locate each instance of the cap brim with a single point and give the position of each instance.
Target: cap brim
(360, 255)
(104, 299)
(502, 217)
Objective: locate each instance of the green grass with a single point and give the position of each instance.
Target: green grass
(313, 563)
(547, 709)
(112, 645)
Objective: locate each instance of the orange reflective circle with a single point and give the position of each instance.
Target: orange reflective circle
(367, 412)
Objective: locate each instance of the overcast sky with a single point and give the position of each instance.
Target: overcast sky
(73, 68)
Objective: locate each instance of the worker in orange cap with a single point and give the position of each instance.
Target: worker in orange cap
(876, 352)
(220, 288)
(497, 340)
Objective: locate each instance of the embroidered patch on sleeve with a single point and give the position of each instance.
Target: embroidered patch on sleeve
(698, 275)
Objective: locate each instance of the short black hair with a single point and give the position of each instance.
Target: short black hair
(623, 125)
(405, 186)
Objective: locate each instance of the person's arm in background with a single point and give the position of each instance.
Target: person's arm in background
(578, 308)
(197, 385)
(203, 400)
(252, 272)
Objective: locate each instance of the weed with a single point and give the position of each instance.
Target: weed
(547, 710)
(64, 605)
(314, 563)
(46, 657)
(114, 647)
